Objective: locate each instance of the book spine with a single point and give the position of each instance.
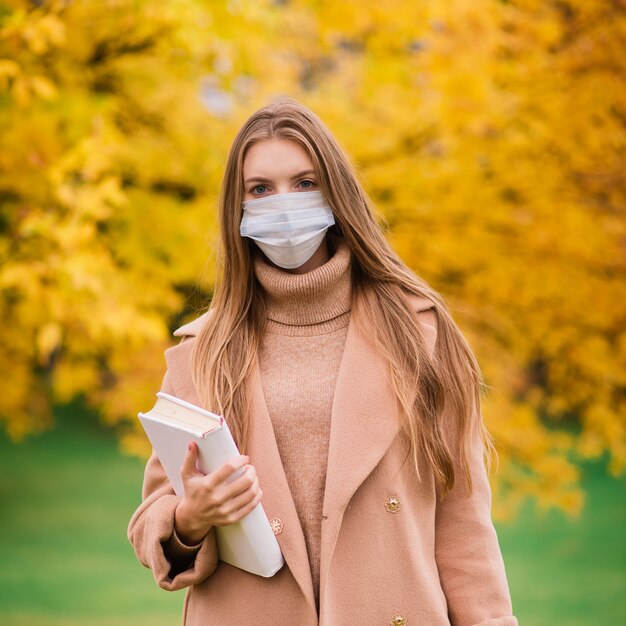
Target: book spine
(206, 433)
(217, 447)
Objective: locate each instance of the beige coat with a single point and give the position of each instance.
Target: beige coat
(390, 554)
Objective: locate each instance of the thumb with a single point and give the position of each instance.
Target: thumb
(188, 468)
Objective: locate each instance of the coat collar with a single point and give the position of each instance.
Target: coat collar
(364, 423)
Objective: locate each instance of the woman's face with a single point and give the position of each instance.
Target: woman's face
(276, 166)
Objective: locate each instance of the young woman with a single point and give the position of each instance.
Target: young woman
(354, 399)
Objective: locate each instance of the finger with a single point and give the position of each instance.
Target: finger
(188, 468)
(223, 472)
(236, 502)
(246, 508)
(240, 484)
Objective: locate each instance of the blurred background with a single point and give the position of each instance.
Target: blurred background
(491, 134)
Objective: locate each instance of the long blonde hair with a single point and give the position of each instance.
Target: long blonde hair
(226, 347)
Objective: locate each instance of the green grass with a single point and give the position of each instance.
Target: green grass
(67, 496)
(571, 573)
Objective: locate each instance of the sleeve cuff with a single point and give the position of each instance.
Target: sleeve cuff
(176, 547)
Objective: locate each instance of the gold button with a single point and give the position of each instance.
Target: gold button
(392, 504)
(398, 620)
(277, 525)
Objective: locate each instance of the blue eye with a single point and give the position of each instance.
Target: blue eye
(307, 184)
(256, 189)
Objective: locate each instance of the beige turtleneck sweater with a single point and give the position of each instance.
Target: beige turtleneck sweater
(299, 356)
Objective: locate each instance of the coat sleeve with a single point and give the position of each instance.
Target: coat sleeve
(151, 531)
(469, 560)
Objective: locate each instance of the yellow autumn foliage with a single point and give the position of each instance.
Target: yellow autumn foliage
(490, 134)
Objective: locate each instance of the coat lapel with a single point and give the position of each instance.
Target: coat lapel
(364, 422)
(277, 499)
(178, 359)
(264, 455)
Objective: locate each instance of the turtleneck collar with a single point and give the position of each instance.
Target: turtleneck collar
(316, 297)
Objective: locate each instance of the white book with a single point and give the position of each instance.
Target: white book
(248, 544)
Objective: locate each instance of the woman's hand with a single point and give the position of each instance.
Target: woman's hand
(210, 500)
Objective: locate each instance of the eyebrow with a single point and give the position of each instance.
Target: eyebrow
(267, 180)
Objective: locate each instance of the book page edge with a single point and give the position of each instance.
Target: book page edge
(189, 405)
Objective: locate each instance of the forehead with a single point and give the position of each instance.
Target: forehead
(271, 157)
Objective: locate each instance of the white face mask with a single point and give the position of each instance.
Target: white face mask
(288, 227)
